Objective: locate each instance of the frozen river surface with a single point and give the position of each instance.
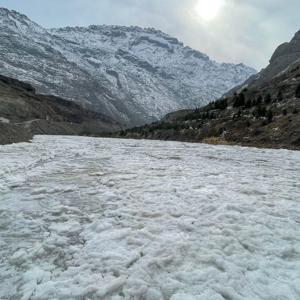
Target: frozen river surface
(85, 218)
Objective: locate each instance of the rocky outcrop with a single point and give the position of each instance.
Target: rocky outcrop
(289, 52)
(285, 58)
(131, 74)
(23, 113)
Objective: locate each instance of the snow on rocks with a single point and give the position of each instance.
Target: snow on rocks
(131, 74)
(85, 218)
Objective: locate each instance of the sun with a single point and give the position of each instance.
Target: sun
(208, 10)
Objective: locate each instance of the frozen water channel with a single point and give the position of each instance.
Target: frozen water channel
(85, 218)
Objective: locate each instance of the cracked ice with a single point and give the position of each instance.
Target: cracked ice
(87, 218)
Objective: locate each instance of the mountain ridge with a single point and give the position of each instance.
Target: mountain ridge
(131, 74)
(285, 56)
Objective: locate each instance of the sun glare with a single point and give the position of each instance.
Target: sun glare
(208, 9)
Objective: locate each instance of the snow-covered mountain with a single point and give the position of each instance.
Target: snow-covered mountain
(132, 74)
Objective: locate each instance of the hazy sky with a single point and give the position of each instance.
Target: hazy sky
(240, 31)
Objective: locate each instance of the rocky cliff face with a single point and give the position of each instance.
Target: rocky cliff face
(285, 58)
(131, 74)
(23, 113)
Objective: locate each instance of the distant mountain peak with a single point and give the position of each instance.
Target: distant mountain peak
(296, 36)
(6, 13)
(132, 74)
(17, 22)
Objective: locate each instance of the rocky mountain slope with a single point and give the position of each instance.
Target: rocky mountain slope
(265, 112)
(23, 113)
(131, 74)
(286, 57)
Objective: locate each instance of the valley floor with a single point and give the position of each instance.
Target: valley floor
(86, 218)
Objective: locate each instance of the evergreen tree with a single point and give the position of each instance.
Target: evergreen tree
(268, 99)
(270, 116)
(239, 100)
(297, 94)
(221, 104)
(260, 111)
(279, 96)
(259, 100)
(248, 103)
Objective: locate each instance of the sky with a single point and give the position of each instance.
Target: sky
(235, 31)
